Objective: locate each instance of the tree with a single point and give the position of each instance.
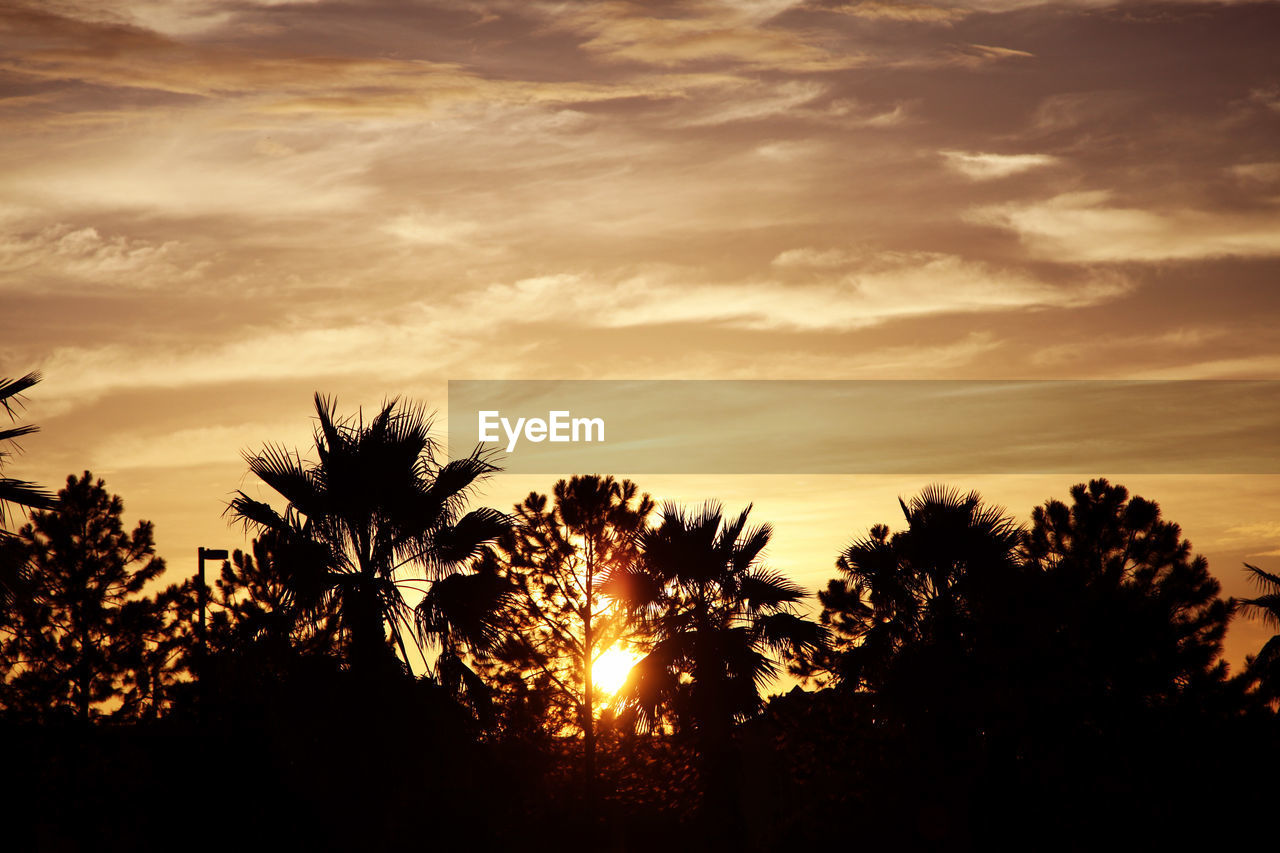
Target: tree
(376, 513)
(1138, 617)
(1028, 667)
(1121, 605)
(559, 623)
(269, 609)
(17, 492)
(88, 642)
(14, 582)
(1263, 668)
(922, 585)
(715, 614)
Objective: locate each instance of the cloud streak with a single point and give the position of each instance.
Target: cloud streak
(1084, 227)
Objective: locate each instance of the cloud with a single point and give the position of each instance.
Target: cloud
(914, 12)
(914, 361)
(760, 101)
(982, 167)
(1082, 227)
(203, 445)
(818, 258)
(1185, 344)
(1245, 367)
(274, 79)
(395, 350)
(426, 229)
(888, 287)
(474, 328)
(984, 52)
(1257, 174)
(86, 256)
(624, 32)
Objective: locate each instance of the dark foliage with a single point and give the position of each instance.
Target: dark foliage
(84, 641)
(375, 514)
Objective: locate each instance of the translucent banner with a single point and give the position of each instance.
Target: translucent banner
(869, 427)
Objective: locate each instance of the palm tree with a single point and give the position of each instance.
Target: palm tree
(916, 586)
(714, 613)
(18, 492)
(377, 513)
(14, 569)
(1265, 665)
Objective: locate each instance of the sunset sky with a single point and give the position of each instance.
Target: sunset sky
(211, 210)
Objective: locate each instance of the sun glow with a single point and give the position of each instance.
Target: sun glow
(611, 668)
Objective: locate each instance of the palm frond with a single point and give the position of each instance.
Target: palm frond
(764, 589)
(465, 606)
(650, 684)
(14, 433)
(26, 494)
(255, 514)
(1262, 578)
(12, 389)
(786, 632)
(456, 543)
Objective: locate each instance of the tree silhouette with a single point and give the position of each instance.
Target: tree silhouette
(14, 582)
(87, 643)
(1138, 616)
(558, 622)
(1264, 667)
(714, 613)
(376, 513)
(17, 492)
(915, 587)
(269, 608)
(1024, 667)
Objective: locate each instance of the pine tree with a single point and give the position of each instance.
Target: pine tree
(559, 621)
(87, 642)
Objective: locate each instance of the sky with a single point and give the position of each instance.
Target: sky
(211, 210)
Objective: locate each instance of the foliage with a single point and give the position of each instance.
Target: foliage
(17, 492)
(1121, 606)
(266, 608)
(715, 615)
(375, 514)
(86, 641)
(1136, 615)
(14, 571)
(556, 560)
(1264, 667)
(921, 585)
(1028, 668)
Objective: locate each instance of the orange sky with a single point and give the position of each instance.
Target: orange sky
(209, 210)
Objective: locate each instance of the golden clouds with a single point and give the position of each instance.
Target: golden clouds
(1084, 227)
(987, 166)
(388, 193)
(702, 32)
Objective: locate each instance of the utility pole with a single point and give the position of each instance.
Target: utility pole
(202, 596)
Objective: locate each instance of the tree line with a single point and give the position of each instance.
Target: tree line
(969, 677)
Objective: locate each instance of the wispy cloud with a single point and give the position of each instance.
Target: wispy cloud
(981, 166)
(181, 448)
(630, 32)
(87, 257)
(819, 258)
(1084, 227)
(888, 287)
(913, 12)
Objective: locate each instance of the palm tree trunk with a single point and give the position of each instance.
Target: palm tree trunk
(370, 655)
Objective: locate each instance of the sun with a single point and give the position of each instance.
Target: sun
(611, 668)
